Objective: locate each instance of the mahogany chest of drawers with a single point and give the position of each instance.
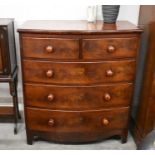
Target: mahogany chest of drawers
(78, 79)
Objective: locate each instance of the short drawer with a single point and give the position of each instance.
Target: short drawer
(110, 48)
(78, 73)
(77, 126)
(52, 48)
(78, 98)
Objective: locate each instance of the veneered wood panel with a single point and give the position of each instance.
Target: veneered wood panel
(51, 48)
(63, 124)
(79, 73)
(78, 98)
(109, 48)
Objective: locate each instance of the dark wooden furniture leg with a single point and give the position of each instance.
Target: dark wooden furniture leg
(16, 96)
(13, 92)
(124, 136)
(29, 138)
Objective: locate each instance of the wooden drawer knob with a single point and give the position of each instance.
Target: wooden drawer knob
(109, 73)
(111, 49)
(49, 49)
(49, 73)
(105, 121)
(51, 122)
(50, 97)
(107, 97)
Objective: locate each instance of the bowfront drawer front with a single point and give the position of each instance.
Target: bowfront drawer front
(78, 98)
(95, 123)
(78, 73)
(110, 48)
(52, 48)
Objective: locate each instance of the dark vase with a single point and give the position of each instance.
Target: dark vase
(110, 13)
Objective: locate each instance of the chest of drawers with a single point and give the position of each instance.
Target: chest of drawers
(78, 79)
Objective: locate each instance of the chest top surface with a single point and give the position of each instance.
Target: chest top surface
(77, 27)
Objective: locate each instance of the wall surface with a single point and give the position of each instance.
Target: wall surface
(57, 12)
(22, 12)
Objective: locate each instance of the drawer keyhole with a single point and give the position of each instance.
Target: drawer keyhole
(51, 122)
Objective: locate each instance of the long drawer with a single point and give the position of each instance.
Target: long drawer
(104, 48)
(69, 73)
(78, 98)
(77, 126)
(52, 48)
